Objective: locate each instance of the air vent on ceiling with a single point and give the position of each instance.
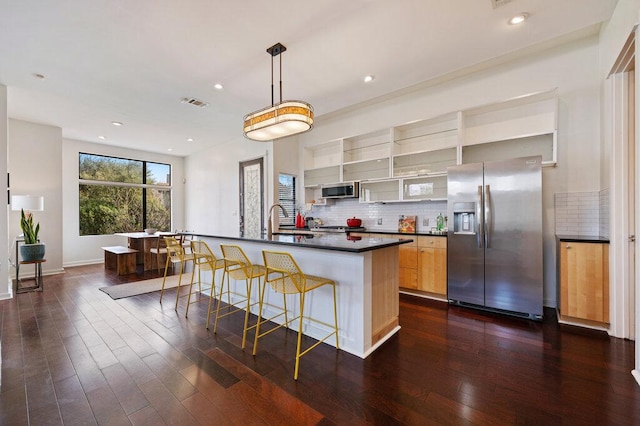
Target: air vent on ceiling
(499, 3)
(194, 102)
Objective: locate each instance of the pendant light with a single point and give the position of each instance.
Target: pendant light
(278, 120)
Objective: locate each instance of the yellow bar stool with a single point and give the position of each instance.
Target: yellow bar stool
(175, 254)
(285, 277)
(204, 260)
(238, 267)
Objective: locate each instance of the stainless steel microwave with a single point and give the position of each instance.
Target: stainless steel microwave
(341, 190)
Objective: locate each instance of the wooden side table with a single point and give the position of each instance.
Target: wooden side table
(39, 283)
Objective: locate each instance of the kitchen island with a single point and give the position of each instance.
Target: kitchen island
(366, 275)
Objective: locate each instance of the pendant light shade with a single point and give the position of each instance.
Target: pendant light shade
(283, 119)
(280, 120)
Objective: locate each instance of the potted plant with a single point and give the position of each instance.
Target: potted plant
(32, 249)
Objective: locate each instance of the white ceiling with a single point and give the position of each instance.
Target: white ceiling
(134, 61)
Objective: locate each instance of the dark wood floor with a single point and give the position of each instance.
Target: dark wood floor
(71, 355)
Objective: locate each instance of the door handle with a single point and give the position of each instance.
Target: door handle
(487, 215)
(479, 219)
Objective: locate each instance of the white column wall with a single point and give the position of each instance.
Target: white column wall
(35, 151)
(5, 280)
(612, 39)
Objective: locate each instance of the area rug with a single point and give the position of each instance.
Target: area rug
(141, 287)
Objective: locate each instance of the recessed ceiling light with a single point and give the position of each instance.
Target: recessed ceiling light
(190, 140)
(170, 149)
(39, 76)
(116, 123)
(368, 78)
(101, 137)
(218, 86)
(518, 19)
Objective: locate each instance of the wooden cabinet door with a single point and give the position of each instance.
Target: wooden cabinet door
(408, 265)
(432, 265)
(584, 281)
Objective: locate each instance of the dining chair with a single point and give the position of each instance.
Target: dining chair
(159, 250)
(285, 277)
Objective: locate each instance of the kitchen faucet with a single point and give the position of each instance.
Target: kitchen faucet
(269, 225)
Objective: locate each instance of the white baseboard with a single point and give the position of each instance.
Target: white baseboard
(83, 263)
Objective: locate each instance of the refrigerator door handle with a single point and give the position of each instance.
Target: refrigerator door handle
(487, 216)
(479, 220)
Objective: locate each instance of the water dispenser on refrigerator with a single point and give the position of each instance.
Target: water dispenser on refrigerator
(464, 218)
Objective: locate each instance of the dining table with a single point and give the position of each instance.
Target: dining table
(144, 242)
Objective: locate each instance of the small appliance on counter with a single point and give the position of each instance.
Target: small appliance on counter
(354, 222)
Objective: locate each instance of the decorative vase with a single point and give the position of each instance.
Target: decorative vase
(32, 252)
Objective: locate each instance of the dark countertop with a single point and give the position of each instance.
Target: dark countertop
(323, 241)
(404, 234)
(583, 239)
(290, 228)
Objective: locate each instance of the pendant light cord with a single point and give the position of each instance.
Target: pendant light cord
(280, 78)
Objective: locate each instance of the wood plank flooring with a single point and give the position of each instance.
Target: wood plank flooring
(71, 355)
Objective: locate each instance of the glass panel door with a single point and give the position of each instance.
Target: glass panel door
(251, 198)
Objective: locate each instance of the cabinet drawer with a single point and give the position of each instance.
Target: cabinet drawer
(432, 242)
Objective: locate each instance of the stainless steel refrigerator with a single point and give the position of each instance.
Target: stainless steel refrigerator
(495, 236)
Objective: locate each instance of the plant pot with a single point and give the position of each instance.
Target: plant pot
(31, 252)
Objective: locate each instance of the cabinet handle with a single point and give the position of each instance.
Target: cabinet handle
(568, 246)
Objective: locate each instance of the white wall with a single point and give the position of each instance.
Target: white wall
(81, 250)
(212, 179)
(35, 152)
(5, 282)
(571, 68)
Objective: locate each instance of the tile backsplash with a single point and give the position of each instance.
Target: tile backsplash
(337, 213)
(582, 213)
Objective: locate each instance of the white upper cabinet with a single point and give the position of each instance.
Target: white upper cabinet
(366, 156)
(394, 158)
(426, 147)
(322, 164)
(519, 127)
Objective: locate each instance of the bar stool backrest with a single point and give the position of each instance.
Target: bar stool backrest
(283, 273)
(235, 259)
(202, 249)
(174, 249)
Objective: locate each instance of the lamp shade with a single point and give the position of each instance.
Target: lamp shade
(278, 121)
(33, 203)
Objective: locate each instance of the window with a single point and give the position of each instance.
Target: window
(123, 195)
(287, 198)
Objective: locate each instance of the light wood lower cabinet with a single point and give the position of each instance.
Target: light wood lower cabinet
(409, 264)
(422, 263)
(432, 265)
(584, 280)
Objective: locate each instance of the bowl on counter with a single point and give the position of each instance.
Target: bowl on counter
(150, 231)
(354, 222)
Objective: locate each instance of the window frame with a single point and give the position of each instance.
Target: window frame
(144, 185)
(291, 220)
